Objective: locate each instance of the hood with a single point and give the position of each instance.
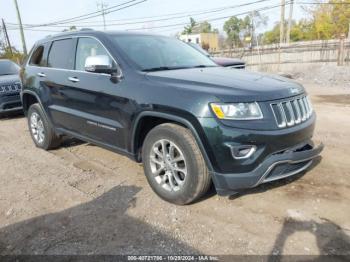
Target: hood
(229, 85)
(225, 61)
(9, 79)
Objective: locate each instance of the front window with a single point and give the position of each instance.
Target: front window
(8, 68)
(88, 47)
(160, 52)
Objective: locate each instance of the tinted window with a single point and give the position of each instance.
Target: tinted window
(8, 68)
(62, 54)
(87, 47)
(157, 51)
(37, 56)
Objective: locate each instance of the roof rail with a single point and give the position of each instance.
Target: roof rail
(86, 29)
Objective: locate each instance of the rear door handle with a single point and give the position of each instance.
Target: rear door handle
(41, 74)
(73, 79)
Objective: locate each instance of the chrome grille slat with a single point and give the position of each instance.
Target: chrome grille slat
(284, 123)
(297, 111)
(291, 112)
(303, 111)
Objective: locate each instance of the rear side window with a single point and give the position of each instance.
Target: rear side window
(38, 57)
(61, 54)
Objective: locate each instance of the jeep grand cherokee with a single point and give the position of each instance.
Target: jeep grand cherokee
(10, 87)
(157, 100)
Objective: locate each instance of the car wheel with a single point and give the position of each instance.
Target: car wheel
(40, 129)
(174, 165)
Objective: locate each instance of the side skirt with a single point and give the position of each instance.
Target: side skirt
(63, 131)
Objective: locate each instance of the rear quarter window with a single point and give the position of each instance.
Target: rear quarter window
(37, 56)
(61, 54)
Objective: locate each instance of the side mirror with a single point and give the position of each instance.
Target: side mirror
(99, 64)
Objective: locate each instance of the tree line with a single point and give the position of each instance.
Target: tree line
(323, 21)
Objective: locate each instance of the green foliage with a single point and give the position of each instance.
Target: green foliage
(189, 28)
(5, 53)
(205, 27)
(233, 27)
(324, 22)
(196, 28)
(237, 29)
(71, 28)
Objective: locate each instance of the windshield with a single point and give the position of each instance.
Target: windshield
(152, 53)
(200, 49)
(8, 68)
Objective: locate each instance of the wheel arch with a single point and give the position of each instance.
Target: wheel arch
(28, 98)
(137, 136)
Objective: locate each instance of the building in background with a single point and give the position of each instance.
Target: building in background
(208, 41)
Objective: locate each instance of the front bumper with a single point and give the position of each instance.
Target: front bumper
(277, 166)
(11, 103)
(279, 153)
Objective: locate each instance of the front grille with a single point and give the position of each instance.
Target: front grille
(10, 88)
(292, 112)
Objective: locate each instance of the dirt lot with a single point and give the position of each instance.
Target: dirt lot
(81, 199)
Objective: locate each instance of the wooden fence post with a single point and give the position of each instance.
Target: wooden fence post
(341, 51)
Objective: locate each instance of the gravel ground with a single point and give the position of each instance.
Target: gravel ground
(324, 75)
(81, 199)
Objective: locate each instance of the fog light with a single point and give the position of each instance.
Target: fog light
(242, 151)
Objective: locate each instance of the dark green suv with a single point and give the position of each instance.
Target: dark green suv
(157, 100)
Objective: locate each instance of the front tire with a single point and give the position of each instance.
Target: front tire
(174, 165)
(40, 129)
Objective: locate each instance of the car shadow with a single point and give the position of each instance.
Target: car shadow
(330, 239)
(274, 184)
(11, 115)
(71, 142)
(101, 226)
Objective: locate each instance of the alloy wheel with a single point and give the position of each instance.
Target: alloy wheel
(168, 165)
(37, 128)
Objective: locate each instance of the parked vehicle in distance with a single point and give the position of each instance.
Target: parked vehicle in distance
(10, 87)
(222, 61)
(158, 101)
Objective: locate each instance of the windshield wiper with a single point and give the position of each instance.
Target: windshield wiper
(203, 66)
(161, 68)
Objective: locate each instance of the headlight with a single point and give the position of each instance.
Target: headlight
(237, 111)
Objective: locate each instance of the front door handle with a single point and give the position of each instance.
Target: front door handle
(41, 74)
(73, 79)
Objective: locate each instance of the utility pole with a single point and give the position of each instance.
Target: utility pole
(290, 20)
(283, 4)
(21, 28)
(7, 37)
(256, 37)
(102, 5)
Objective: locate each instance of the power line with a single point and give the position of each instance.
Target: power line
(89, 15)
(210, 20)
(170, 18)
(103, 5)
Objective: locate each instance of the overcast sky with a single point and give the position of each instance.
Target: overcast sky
(44, 11)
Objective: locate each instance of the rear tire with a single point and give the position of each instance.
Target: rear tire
(174, 165)
(40, 129)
